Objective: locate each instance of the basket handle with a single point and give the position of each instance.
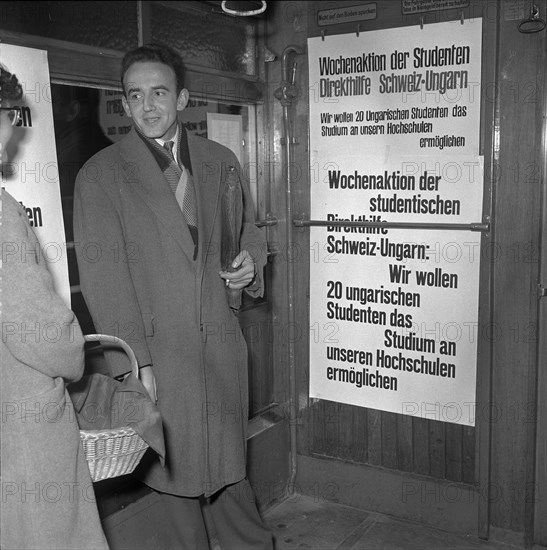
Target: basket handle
(118, 342)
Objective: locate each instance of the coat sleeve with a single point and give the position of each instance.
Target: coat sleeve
(104, 269)
(253, 240)
(37, 327)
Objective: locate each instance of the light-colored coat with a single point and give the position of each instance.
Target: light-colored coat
(140, 283)
(47, 494)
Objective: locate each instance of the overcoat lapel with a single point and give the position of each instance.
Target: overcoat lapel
(142, 173)
(206, 172)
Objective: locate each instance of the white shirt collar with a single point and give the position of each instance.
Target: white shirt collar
(175, 140)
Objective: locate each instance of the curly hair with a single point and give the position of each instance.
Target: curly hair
(10, 88)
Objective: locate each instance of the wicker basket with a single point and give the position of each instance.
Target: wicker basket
(114, 452)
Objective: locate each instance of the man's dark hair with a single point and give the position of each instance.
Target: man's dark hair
(156, 53)
(10, 89)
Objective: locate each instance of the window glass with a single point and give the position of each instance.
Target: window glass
(106, 24)
(206, 37)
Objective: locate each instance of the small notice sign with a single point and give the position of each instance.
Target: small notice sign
(420, 6)
(348, 14)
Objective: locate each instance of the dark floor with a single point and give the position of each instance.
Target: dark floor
(302, 522)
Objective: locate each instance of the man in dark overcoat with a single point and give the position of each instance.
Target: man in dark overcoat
(147, 226)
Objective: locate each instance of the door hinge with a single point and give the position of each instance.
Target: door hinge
(542, 291)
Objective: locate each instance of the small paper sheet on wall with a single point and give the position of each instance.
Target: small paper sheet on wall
(227, 130)
(394, 136)
(32, 175)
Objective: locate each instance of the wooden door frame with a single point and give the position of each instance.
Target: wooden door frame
(537, 506)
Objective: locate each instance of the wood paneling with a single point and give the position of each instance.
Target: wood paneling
(493, 457)
(521, 99)
(388, 440)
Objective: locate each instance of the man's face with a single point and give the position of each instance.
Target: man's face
(151, 98)
(6, 131)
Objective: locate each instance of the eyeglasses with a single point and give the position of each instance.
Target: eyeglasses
(13, 114)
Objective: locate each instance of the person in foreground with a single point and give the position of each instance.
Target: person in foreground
(147, 217)
(48, 502)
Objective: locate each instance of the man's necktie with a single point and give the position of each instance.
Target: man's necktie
(168, 146)
(185, 193)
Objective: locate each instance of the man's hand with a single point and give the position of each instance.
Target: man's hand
(244, 273)
(149, 382)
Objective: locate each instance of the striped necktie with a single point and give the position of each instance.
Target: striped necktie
(168, 146)
(185, 194)
(180, 181)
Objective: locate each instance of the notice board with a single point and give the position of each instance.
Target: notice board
(32, 174)
(394, 137)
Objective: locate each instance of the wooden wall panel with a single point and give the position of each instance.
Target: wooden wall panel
(389, 440)
(469, 474)
(398, 442)
(495, 456)
(405, 460)
(437, 450)
(420, 442)
(374, 437)
(516, 216)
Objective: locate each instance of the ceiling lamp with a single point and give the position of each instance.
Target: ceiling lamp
(243, 9)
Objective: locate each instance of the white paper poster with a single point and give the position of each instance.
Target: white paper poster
(394, 136)
(32, 174)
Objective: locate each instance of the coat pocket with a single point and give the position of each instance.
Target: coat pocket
(148, 322)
